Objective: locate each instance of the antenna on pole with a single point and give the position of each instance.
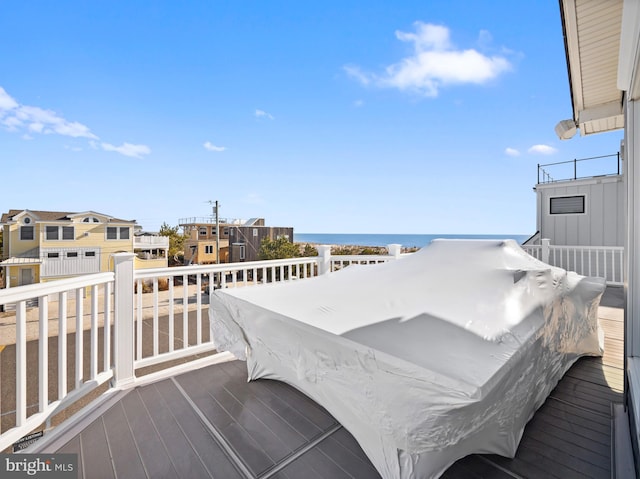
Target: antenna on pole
(216, 214)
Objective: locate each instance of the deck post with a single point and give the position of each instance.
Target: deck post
(123, 319)
(545, 250)
(324, 258)
(394, 250)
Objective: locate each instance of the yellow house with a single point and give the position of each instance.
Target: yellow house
(40, 246)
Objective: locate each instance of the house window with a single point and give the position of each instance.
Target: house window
(203, 231)
(115, 233)
(72, 254)
(566, 205)
(225, 231)
(255, 232)
(53, 233)
(68, 233)
(91, 219)
(208, 249)
(242, 248)
(26, 233)
(53, 255)
(89, 254)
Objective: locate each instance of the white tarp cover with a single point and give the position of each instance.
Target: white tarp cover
(425, 359)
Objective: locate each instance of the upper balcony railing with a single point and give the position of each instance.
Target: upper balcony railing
(151, 242)
(580, 168)
(210, 220)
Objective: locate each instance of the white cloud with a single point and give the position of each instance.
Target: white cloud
(542, 150)
(6, 102)
(37, 120)
(357, 74)
(128, 149)
(211, 147)
(358, 103)
(511, 152)
(264, 114)
(32, 119)
(435, 63)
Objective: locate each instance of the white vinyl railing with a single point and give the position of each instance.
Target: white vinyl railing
(119, 329)
(340, 261)
(602, 261)
(182, 335)
(74, 372)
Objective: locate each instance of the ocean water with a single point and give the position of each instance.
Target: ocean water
(406, 240)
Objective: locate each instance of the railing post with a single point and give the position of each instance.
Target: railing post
(394, 250)
(324, 258)
(545, 250)
(123, 319)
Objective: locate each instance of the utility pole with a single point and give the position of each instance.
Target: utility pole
(217, 211)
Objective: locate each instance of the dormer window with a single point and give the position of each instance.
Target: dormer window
(91, 219)
(27, 221)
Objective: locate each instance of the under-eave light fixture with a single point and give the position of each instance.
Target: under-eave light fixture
(566, 129)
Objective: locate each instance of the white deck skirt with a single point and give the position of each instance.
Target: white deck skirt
(426, 359)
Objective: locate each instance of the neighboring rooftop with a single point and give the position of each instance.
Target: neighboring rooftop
(56, 215)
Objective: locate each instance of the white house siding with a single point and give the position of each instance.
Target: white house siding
(602, 224)
(64, 266)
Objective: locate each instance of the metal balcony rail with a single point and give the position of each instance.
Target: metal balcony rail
(568, 170)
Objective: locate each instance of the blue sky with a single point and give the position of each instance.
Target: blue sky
(331, 117)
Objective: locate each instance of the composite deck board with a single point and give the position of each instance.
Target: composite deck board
(211, 422)
(575, 419)
(353, 464)
(184, 458)
(152, 449)
(214, 458)
(95, 451)
(597, 373)
(122, 444)
(282, 397)
(475, 467)
(73, 447)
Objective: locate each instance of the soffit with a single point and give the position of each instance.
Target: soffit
(592, 41)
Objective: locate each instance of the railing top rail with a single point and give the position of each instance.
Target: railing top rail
(360, 257)
(23, 293)
(222, 267)
(588, 248)
(579, 159)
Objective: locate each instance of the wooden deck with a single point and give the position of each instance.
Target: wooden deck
(212, 423)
